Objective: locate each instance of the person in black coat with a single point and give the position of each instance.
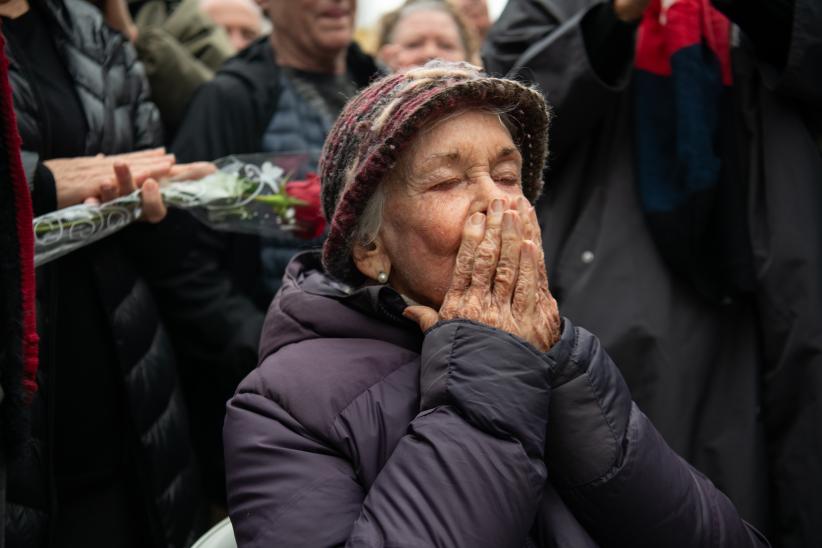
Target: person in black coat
(109, 461)
(713, 308)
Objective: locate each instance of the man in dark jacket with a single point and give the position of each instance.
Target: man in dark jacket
(109, 462)
(730, 378)
(278, 96)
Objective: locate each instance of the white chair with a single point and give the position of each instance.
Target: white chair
(219, 536)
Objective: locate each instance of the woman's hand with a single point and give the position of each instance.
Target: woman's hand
(499, 278)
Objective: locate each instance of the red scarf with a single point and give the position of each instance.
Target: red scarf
(685, 158)
(686, 22)
(25, 233)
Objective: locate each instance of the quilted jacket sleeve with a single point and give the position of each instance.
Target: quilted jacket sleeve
(148, 128)
(614, 470)
(134, 121)
(469, 470)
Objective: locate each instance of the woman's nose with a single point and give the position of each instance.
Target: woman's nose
(488, 191)
(432, 51)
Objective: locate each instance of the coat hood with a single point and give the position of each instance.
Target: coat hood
(312, 305)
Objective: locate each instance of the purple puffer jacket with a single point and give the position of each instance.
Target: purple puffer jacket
(357, 430)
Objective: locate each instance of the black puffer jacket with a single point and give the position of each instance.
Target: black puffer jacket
(109, 80)
(111, 87)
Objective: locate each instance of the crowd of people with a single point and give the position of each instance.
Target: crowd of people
(572, 300)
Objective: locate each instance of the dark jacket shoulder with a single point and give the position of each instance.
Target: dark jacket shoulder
(323, 339)
(317, 380)
(229, 114)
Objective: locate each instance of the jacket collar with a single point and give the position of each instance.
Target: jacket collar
(313, 305)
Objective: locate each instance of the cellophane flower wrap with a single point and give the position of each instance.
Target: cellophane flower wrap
(241, 196)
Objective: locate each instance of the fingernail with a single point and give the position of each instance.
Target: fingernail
(477, 218)
(508, 220)
(522, 203)
(497, 206)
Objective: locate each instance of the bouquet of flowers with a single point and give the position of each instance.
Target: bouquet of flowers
(238, 197)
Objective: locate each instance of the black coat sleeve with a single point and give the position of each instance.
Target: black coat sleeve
(41, 183)
(220, 120)
(561, 51)
(148, 128)
(213, 325)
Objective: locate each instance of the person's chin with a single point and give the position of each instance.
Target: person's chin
(335, 41)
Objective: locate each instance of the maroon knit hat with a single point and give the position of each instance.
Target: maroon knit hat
(375, 126)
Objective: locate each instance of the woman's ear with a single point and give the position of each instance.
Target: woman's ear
(371, 259)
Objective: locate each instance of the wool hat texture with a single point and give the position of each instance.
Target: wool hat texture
(378, 123)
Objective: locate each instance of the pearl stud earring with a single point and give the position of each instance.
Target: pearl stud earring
(382, 277)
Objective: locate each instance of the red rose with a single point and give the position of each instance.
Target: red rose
(309, 216)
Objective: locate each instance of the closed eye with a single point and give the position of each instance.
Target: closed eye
(446, 185)
(507, 179)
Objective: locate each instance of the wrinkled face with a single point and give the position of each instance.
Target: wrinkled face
(421, 36)
(449, 172)
(241, 20)
(323, 26)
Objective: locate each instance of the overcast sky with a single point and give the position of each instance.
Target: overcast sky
(368, 11)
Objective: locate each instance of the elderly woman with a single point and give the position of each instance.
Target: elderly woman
(422, 30)
(498, 423)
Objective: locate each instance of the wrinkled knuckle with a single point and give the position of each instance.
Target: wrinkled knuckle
(527, 268)
(462, 268)
(510, 237)
(491, 316)
(449, 309)
(493, 234)
(505, 274)
(486, 254)
(471, 311)
(520, 294)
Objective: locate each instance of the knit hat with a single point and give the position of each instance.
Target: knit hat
(378, 123)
